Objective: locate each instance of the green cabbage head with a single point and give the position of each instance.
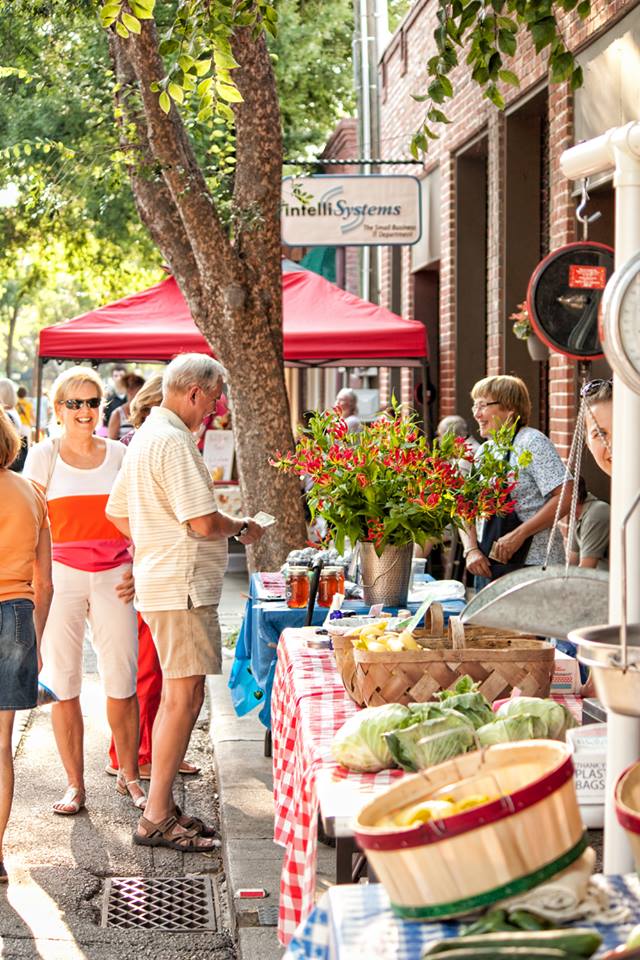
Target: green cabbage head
(359, 744)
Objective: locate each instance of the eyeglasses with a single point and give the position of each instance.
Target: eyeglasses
(481, 407)
(92, 403)
(593, 386)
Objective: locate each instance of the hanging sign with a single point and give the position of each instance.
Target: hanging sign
(564, 297)
(366, 210)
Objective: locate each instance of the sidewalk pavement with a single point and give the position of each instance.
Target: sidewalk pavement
(51, 908)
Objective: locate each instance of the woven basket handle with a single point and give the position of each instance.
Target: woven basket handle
(434, 620)
(456, 633)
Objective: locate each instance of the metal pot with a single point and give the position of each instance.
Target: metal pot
(386, 579)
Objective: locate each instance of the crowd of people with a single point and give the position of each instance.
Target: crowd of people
(118, 505)
(91, 522)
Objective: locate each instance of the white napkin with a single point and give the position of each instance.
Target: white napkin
(571, 895)
(436, 590)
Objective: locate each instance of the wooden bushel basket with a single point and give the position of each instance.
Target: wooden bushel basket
(627, 802)
(529, 831)
(498, 660)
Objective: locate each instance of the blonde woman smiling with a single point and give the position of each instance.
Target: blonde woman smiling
(92, 582)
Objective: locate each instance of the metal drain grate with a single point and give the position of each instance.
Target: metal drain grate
(173, 904)
(268, 915)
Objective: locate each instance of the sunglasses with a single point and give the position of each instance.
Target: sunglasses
(92, 403)
(593, 386)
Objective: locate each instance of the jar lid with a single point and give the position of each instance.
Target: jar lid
(331, 570)
(298, 570)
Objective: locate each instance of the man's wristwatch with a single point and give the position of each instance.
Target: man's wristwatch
(243, 529)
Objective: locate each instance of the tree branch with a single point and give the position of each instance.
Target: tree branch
(151, 194)
(170, 146)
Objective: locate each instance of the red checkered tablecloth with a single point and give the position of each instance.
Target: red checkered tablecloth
(308, 706)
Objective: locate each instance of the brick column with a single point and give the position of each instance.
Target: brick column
(562, 371)
(496, 176)
(447, 385)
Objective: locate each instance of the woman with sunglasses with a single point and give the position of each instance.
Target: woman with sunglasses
(521, 538)
(92, 582)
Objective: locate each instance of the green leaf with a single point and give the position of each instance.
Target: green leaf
(131, 23)
(435, 90)
(205, 113)
(165, 102)
(419, 97)
(110, 10)
(508, 76)
(224, 110)
(469, 14)
(437, 116)
(492, 93)
(577, 78)
(224, 60)
(205, 85)
(229, 93)
(203, 67)
(121, 30)
(543, 32)
(584, 8)
(140, 10)
(185, 62)
(561, 66)
(507, 42)
(176, 92)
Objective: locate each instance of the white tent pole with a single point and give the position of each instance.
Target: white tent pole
(619, 149)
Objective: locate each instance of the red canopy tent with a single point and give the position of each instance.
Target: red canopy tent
(322, 324)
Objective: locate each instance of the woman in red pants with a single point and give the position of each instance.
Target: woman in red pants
(149, 683)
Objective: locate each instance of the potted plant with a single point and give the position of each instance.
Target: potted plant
(388, 487)
(523, 330)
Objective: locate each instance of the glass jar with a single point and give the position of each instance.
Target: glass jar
(297, 587)
(331, 582)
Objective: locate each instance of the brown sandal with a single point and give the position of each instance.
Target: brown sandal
(204, 830)
(172, 834)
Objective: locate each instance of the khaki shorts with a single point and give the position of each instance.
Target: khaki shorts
(188, 641)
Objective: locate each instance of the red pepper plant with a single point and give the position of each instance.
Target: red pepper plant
(389, 485)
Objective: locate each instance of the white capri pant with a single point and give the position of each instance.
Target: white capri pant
(78, 596)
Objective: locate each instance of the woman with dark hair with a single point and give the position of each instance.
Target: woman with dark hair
(598, 399)
(25, 598)
(521, 538)
(120, 420)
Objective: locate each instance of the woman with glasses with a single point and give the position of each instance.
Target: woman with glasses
(521, 538)
(92, 582)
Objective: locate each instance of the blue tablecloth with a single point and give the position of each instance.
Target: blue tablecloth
(354, 921)
(254, 664)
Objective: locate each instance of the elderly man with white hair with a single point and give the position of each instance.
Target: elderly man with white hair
(164, 500)
(347, 404)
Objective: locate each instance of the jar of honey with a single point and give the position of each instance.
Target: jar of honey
(331, 582)
(297, 587)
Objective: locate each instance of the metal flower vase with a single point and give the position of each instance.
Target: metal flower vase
(386, 579)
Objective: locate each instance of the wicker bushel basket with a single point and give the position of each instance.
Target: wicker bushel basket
(529, 830)
(498, 660)
(627, 801)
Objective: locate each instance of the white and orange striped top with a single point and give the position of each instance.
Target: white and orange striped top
(81, 535)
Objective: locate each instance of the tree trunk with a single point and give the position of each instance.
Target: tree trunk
(234, 289)
(13, 320)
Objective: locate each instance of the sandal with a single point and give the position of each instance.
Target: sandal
(204, 830)
(172, 834)
(185, 768)
(123, 787)
(74, 798)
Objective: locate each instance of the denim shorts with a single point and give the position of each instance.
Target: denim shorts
(18, 656)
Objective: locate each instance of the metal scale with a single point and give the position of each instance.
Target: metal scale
(558, 597)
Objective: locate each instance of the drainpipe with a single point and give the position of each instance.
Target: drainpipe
(619, 148)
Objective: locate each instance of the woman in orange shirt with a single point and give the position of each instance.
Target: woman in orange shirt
(25, 598)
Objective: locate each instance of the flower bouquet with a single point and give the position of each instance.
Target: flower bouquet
(389, 486)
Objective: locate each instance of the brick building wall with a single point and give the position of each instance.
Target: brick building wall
(402, 72)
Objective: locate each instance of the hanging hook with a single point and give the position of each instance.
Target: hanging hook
(581, 216)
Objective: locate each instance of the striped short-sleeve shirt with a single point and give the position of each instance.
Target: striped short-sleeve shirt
(164, 483)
